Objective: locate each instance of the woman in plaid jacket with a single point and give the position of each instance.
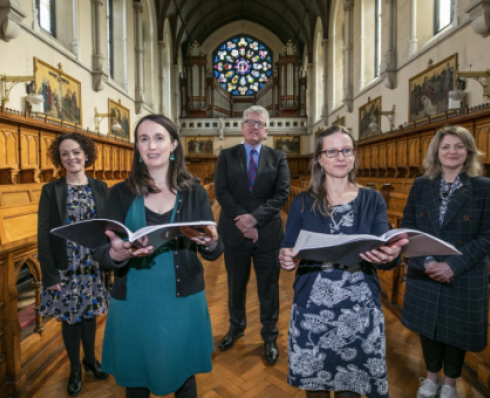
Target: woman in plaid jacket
(446, 298)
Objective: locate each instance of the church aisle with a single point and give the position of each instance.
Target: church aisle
(242, 372)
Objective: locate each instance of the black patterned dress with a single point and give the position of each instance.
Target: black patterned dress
(337, 342)
(84, 292)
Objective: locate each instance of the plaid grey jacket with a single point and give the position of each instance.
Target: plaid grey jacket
(454, 313)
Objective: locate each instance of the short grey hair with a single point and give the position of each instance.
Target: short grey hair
(259, 110)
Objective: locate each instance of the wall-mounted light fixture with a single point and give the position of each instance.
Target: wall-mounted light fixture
(481, 77)
(100, 116)
(9, 82)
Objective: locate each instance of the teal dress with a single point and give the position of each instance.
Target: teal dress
(154, 339)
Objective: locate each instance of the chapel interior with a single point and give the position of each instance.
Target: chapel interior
(392, 71)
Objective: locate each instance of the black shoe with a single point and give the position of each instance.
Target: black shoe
(95, 368)
(271, 352)
(227, 342)
(74, 382)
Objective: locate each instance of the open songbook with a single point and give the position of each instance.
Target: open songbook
(91, 233)
(345, 249)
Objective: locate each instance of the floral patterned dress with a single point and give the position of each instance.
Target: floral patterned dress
(338, 341)
(84, 292)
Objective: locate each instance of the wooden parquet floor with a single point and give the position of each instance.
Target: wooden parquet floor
(242, 371)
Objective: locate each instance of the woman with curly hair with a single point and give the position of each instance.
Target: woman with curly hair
(336, 336)
(73, 286)
(446, 297)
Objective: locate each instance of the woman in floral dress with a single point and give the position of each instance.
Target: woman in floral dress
(336, 333)
(74, 287)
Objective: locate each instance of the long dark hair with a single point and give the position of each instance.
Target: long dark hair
(140, 181)
(317, 182)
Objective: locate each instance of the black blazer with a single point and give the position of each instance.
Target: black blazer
(189, 273)
(52, 213)
(269, 195)
(455, 313)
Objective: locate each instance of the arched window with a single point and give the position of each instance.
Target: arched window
(318, 77)
(47, 15)
(443, 14)
(377, 38)
(110, 38)
(148, 55)
(338, 51)
(242, 65)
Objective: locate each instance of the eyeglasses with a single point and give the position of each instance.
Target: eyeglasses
(333, 153)
(252, 123)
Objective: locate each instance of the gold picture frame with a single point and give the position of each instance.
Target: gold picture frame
(340, 121)
(369, 113)
(199, 146)
(121, 117)
(62, 94)
(429, 90)
(289, 144)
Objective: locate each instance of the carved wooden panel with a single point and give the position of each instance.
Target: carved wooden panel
(397, 201)
(129, 160)
(114, 159)
(401, 152)
(293, 164)
(482, 138)
(425, 140)
(367, 158)
(29, 154)
(374, 156)
(414, 151)
(360, 157)
(391, 154)
(99, 162)
(106, 156)
(9, 154)
(382, 161)
(17, 223)
(48, 170)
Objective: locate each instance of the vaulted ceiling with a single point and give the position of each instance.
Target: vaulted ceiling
(195, 20)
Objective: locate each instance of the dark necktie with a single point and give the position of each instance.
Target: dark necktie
(252, 169)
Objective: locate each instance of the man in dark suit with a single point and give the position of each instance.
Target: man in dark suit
(252, 185)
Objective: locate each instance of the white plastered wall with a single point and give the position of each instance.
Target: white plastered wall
(460, 39)
(18, 59)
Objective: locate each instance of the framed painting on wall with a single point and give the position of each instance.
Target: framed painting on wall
(369, 114)
(121, 117)
(287, 143)
(199, 145)
(429, 90)
(339, 122)
(62, 94)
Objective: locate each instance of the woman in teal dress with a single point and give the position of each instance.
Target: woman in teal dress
(158, 332)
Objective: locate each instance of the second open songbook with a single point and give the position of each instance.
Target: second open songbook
(345, 249)
(91, 233)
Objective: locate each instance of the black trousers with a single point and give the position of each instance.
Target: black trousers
(438, 354)
(266, 266)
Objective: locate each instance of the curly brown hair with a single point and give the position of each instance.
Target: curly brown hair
(86, 144)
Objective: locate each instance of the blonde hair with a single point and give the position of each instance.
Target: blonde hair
(472, 167)
(317, 182)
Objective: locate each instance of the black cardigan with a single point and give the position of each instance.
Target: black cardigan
(52, 213)
(189, 273)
